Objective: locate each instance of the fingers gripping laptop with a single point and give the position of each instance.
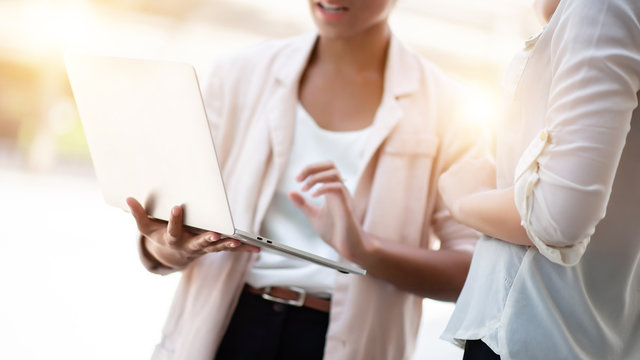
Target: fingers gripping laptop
(129, 110)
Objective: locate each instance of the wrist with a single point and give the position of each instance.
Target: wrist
(165, 258)
(368, 251)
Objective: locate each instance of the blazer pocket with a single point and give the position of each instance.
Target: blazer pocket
(417, 145)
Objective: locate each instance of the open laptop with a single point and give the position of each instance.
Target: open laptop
(149, 138)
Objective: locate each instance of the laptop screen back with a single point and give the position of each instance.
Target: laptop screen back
(149, 137)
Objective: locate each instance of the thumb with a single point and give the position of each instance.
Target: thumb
(301, 203)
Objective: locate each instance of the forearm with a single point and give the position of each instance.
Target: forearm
(494, 213)
(435, 274)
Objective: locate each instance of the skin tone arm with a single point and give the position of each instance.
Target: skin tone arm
(172, 245)
(435, 274)
(478, 204)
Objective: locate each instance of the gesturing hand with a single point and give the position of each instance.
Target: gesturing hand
(334, 221)
(174, 246)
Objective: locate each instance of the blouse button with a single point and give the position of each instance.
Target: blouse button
(544, 135)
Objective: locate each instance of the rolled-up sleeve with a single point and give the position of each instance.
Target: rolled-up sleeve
(564, 178)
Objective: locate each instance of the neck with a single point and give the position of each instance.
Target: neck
(365, 52)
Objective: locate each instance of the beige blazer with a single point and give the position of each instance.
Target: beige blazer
(251, 100)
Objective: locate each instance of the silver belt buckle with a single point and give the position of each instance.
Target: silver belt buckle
(298, 302)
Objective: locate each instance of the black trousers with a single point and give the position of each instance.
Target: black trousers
(478, 350)
(262, 329)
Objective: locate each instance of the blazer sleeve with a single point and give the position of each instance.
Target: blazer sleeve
(461, 137)
(564, 178)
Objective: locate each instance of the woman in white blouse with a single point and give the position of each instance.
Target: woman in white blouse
(558, 274)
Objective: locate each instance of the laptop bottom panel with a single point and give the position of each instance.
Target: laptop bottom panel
(282, 249)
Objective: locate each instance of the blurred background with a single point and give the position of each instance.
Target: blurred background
(71, 286)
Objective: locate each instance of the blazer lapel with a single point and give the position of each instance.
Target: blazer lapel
(280, 116)
(281, 111)
(397, 86)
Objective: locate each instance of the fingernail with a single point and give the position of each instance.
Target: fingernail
(210, 238)
(232, 244)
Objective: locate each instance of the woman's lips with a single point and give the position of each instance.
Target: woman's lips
(332, 11)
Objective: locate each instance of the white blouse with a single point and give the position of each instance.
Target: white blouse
(570, 146)
(284, 222)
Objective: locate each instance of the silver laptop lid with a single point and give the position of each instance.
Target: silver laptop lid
(131, 108)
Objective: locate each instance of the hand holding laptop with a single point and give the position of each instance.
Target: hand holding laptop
(175, 246)
(142, 119)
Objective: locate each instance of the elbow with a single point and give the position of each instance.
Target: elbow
(450, 289)
(448, 293)
(573, 232)
(564, 246)
(448, 296)
(560, 217)
(452, 294)
(560, 231)
(559, 226)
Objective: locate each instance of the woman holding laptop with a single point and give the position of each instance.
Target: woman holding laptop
(333, 141)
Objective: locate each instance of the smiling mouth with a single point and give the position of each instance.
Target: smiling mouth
(335, 9)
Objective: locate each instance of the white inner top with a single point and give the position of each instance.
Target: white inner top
(285, 223)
